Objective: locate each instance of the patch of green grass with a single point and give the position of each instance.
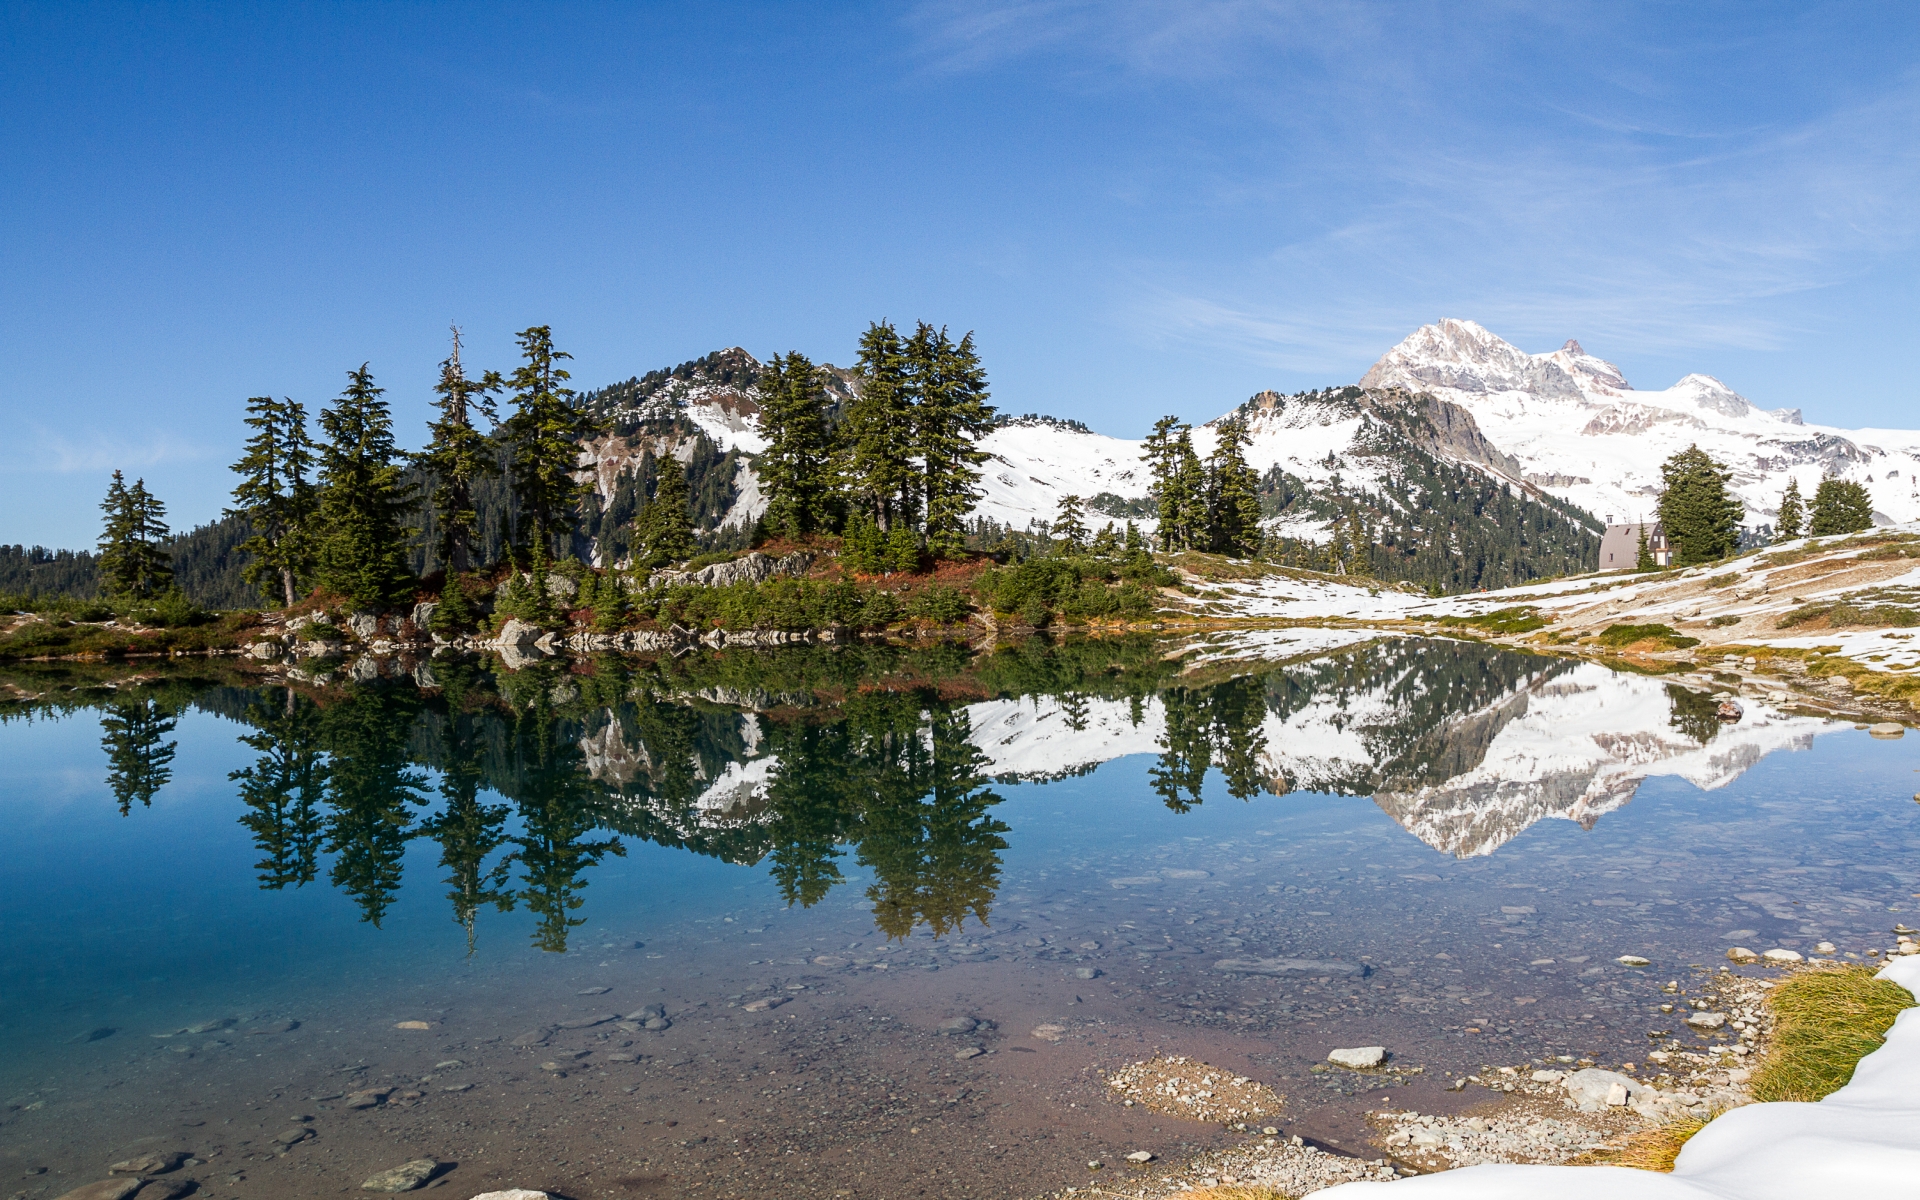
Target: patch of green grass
(1841, 612)
(1825, 1021)
(1503, 620)
(1649, 1149)
(1616, 636)
(1722, 622)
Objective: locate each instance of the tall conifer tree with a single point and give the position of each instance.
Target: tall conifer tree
(799, 468)
(458, 456)
(663, 530)
(1233, 494)
(879, 432)
(364, 498)
(133, 565)
(277, 497)
(546, 429)
(1069, 527)
(1840, 506)
(1699, 515)
(951, 418)
(1792, 513)
(1163, 468)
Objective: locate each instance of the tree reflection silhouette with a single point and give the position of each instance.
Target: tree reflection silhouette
(1220, 724)
(469, 829)
(559, 804)
(284, 789)
(372, 789)
(138, 763)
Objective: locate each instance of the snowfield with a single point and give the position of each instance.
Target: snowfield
(1861, 1143)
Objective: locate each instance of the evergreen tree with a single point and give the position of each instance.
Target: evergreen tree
(132, 562)
(276, 498)
(951, 418)
(1069, 528)
(1840, 506)
(799, 468)
(879, 433)
(546, 430)
(1189, 489)
(1792, 513)
(1643, 558)
(1163, 464)
(903, 550)
(863, 548)
(458, 455)
(1700, 516)
(663, 532)
(1232, 494)
(363, 499)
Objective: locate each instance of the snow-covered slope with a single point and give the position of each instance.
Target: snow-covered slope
(1582, 432)
(1862, 1142)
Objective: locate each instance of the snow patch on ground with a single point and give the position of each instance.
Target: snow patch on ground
(1861, 1143)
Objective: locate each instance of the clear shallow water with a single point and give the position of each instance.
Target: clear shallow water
(886, 842)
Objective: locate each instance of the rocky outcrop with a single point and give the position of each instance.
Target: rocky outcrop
(754, 568)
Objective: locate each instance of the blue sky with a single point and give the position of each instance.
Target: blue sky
(1139, 208)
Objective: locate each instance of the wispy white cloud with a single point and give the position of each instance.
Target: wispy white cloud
(1397, 163)
(51, 452)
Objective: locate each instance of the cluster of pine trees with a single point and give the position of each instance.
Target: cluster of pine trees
(336, 512)
(1212, 505)
(1443, 526)
(899, 467)
(1839, 506)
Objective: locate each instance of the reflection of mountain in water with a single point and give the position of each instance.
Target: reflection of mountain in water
(810, 760)
(1463, 745)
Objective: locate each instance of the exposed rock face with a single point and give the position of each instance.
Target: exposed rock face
(518, 633)
(754, 568)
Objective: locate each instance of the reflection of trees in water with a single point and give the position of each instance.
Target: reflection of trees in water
(138, 761)
(796, 759)
(372, 789)
(904, 787)
(1207, 726)
(284, 788)
(469, 830)
(1695, 714)
(559, 805)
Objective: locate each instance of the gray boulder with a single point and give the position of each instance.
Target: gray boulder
(1595, 1090)
(518, 633)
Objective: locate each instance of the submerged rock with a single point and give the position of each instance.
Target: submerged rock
(156, 1162)
(1290, 966)
(403, 1178)
(106, 1189)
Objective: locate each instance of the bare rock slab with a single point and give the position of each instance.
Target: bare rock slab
(106, 1189)
(403, 1178)
(1359, 1058)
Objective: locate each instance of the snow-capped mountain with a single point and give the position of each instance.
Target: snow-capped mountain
(1580, 431)
(1564, 423)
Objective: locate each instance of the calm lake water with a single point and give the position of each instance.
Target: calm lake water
(693, 927)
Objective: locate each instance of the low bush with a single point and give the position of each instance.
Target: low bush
(1503, 621)
(1841, 613)
(1616, 636)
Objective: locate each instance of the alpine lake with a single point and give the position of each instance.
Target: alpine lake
(869, 921)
